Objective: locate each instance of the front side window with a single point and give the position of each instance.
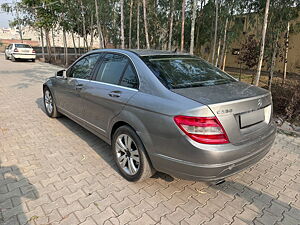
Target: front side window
(84, 67)
(185, 71)
(112, 68)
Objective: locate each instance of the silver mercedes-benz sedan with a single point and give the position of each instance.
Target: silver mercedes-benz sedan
(162, 111)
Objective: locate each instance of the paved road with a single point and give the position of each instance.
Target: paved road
(52, 171)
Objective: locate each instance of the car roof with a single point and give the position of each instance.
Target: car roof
(151, 52)
(144, 52)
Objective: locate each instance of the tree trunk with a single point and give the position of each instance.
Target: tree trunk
(273, 62)
(21, 33)
(286, 52)
(53, 44)
(182, 25)
(146, 24)
(224, 60)
(19, 25)
(193, 27)
(138, 26)
(100, 36)
(79, 45)
(224, 43)
(48, 43)
(130, 24)
(218, 53)
(92, 33)
(216, 32)
(42, 39)
(122, 24)
(74, 44)
(84, 28)
(171, 25)
(65, 48)
(262, 44)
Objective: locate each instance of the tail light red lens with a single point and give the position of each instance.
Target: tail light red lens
(16, 50)
(33, 51)
(206, 130)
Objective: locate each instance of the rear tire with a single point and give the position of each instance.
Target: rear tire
(6, 57)
(49, 104)
(13, 59)
(33, 60)
(130, 155)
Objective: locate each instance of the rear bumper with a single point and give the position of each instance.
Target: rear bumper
(24, 56)
(210, 172)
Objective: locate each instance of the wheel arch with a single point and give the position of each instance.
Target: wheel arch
(120, 123)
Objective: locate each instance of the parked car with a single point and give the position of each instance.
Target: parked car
(162, 111)
(20, 51)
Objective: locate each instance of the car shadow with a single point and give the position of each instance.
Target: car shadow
(97, 144)
(15, 188)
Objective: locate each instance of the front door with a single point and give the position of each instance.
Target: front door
(69, 91)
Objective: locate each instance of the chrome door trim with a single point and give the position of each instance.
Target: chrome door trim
(114, 85)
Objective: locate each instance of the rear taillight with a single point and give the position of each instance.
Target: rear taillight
(206, 130)
(16, 50)
(33, 51)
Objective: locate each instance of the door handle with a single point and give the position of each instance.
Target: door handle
(78, 86)
(115, 94)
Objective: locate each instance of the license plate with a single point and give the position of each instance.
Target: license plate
(25, 51)
(251, 118)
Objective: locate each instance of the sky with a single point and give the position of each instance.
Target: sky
(4, 17)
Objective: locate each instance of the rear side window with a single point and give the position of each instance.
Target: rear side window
(185, 71)
(112, 68)
(130, 78)
(22, 46)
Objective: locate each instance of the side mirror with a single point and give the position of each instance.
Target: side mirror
(61, 74)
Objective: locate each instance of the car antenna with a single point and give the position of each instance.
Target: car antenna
(175, 51)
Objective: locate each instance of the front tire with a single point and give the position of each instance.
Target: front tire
(130, 155)
(49, 104)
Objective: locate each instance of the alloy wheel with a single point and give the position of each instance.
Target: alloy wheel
(48, 101)
(127, 154)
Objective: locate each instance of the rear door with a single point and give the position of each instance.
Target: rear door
(114, 83)
(69, 91)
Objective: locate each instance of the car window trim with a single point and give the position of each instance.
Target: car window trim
(129, 61)
(114, 85)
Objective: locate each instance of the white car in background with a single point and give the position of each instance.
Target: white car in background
(20, 51)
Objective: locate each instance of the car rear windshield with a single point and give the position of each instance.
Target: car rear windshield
(185, 71)
(22, 46)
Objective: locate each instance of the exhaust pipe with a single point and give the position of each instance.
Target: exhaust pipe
(218, 182)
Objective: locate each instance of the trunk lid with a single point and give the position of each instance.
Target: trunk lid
(25, 50)
(243, 110)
